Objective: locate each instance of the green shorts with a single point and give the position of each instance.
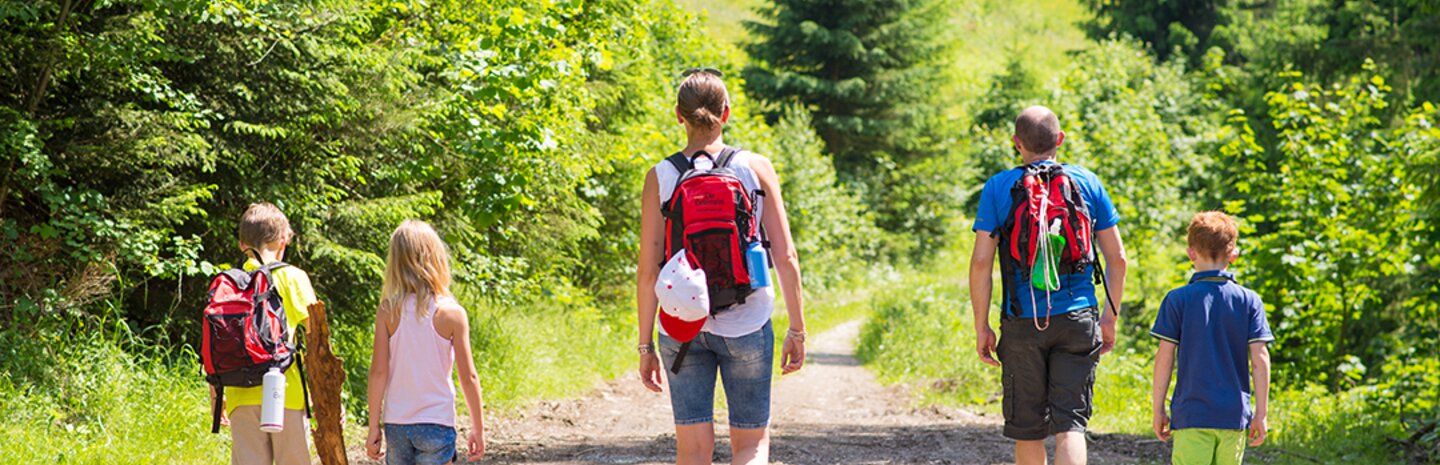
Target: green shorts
(1207, 446)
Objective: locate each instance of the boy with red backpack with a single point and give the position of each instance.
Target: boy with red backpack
(249, 328)
(1046, 220)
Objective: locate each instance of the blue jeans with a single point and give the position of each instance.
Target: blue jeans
(745, 367)
(420, 444)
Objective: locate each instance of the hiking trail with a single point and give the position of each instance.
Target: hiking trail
(831, 412)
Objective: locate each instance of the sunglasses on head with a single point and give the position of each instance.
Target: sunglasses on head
(710, 71)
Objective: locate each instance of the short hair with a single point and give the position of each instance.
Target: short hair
(1038, 128)
(1212, 234)
(262, 224)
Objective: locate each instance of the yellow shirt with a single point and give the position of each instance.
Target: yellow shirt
(294, 287)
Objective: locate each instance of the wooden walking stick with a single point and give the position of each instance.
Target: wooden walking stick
(327, 377)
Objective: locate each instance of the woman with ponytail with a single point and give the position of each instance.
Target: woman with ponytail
(737, 342)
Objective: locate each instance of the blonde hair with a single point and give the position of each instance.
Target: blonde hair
(702, 99)
(1212, 234)
(264, 224)
(419, 264)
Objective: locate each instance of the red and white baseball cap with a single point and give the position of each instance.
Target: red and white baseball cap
(684, 297)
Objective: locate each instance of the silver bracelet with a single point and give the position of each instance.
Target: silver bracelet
(647, 348)
(798, 336)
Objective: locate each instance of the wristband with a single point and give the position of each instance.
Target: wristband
(647, 348)
(798, 336)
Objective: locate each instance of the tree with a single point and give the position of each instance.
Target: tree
(868, 69)
(873, 74)
(1167, 26)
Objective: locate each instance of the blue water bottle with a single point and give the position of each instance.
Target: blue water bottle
(757, 262)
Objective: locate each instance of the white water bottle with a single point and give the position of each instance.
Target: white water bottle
(272, 402)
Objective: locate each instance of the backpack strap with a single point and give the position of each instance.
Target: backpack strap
(680, 162)
(726, 156)
(680, 356)
(272, 266)
(267, 270)
(218, 410)
(304, 383)
(1100, 278)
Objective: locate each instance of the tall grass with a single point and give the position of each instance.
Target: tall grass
(920, 335)
(90, 396)
(98, 394)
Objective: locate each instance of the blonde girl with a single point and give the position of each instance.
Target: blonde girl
(420, 332)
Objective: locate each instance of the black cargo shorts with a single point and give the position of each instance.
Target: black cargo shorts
(1048, 376)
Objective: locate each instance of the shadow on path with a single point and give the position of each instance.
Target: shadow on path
(818, 444)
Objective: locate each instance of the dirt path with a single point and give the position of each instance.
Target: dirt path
(832, 412)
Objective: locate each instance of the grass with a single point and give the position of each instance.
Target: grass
(920, 335)
(87, 399)
(1042, 34)
(108, 396)
(724, 18)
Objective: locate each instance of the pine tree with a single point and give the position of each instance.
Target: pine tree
(869, 70)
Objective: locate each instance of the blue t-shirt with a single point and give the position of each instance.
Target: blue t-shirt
(1213, 320)
(1077, 291)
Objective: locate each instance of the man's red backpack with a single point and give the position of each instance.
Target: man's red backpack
(1046, 198)
(244, 332)
(712, 217)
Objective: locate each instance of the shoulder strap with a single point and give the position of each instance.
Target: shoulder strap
(726, 156)
(272, 266)
(680, 163)
(268, 270)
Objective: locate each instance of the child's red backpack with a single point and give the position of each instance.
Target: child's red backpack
(244, 331)
(712, 217)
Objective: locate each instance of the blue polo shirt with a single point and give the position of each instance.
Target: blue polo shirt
(1077, 291)
(1214, 321)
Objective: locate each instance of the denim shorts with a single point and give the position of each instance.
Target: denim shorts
(419, 444)
(745, 365)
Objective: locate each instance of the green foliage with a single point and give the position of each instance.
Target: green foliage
(870, 72)
(1186, 27)
(1333, 231)
(522, 130)
(1144, 129)
(834, 235)
(868, 69)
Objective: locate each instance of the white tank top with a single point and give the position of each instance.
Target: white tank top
(746, 318)
(420, 388)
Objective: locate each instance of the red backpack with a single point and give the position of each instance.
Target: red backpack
(712, 217)
(244, 331)
(1045, 194)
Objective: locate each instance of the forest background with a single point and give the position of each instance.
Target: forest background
(134, 132)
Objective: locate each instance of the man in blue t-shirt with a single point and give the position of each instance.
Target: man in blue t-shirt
(1220, 328)
(1048, 369)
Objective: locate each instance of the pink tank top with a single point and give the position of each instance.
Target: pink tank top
(420, 389)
